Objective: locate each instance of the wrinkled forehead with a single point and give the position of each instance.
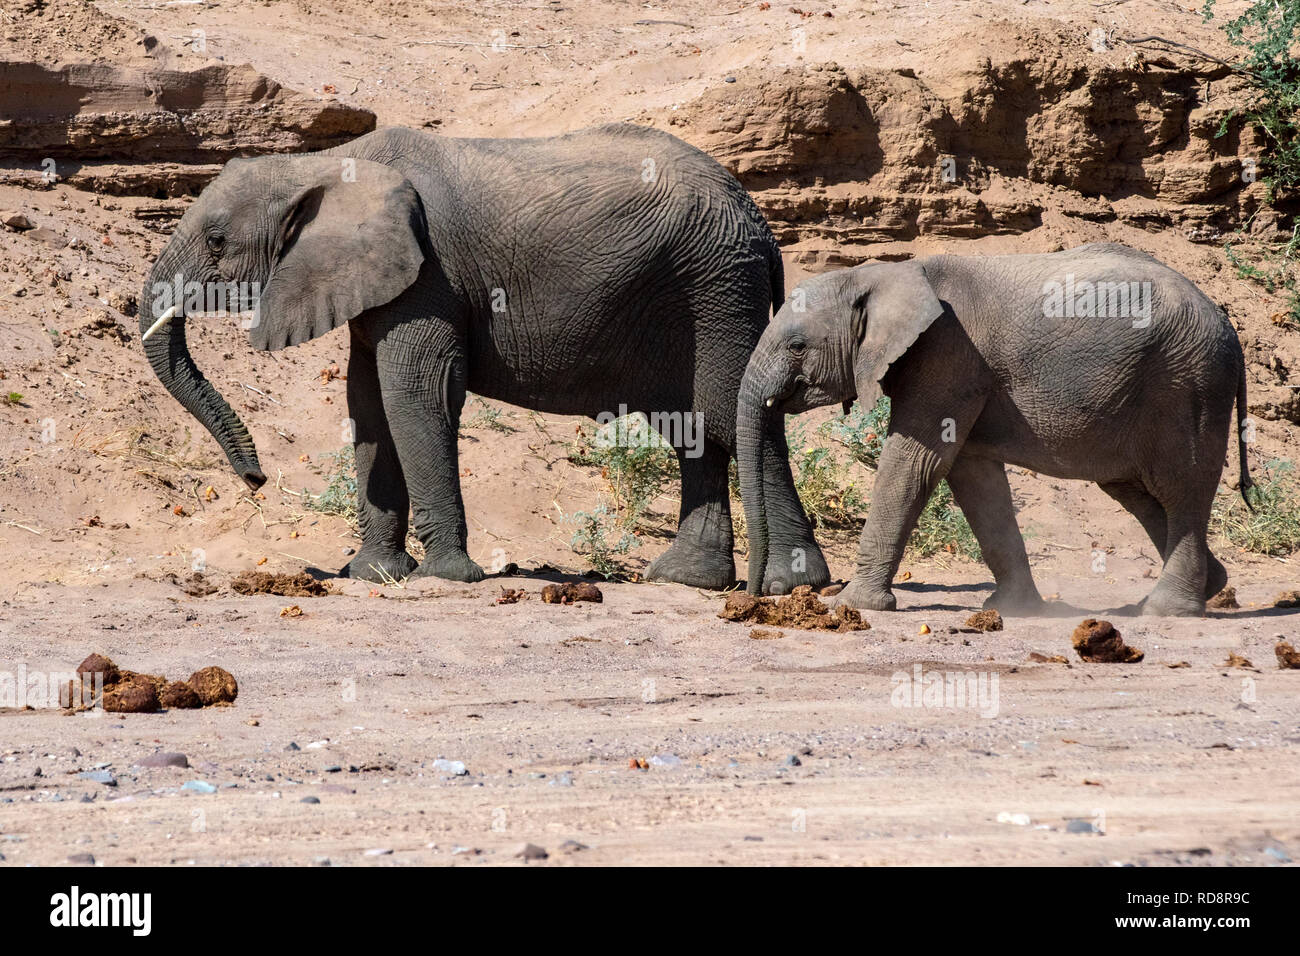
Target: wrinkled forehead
(237, 180)
(816, 302)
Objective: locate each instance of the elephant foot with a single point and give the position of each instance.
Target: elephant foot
(1171, 605)
(1015, 603)
(378, 565)
(804, 566)
(451, 565)
(866, 598)
(693, 566)
(1216, 577)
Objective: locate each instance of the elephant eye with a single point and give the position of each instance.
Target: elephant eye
(797, 347)
(216, 242)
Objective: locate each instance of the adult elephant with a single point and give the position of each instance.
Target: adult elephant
(614, 266)
(1097, 363)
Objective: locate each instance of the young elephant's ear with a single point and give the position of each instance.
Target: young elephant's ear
(342, 244)
(894, 304)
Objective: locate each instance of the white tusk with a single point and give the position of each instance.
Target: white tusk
(162, 320)
(770, 401)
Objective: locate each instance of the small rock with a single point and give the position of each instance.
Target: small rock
(199, 786)
(529, 851)
(310, 800)
(98, 776)
(16, 221)
(793, 761)
(454, 767)
(164, 758)
(1081, 826)
(81, 859)
(291, 746)
(572, 846)
(379, 851)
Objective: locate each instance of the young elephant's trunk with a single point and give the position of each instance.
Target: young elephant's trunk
(169, 355)
(751, 429)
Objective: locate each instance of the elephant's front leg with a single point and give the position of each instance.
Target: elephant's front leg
(383, 507)
(909, 471)
(422, 371)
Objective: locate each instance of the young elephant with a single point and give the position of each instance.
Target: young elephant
(610, 268)
(1097, 363)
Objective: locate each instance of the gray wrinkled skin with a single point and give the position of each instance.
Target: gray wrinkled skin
(611, 266)
(982, 368)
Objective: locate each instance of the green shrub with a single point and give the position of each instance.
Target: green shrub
(600, 538)
(1273, 528)
(941, 526)
(487, 416)
(830, 496)
(862, 431)
(636, 469)
(1268, 31)
(340, 494)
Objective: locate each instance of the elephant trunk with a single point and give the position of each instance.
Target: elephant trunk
(169, 355)
(752, 424)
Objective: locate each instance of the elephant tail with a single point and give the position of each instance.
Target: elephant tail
(1243, 426)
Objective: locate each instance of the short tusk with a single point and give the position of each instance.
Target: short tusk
(770, 401)
(162, 320)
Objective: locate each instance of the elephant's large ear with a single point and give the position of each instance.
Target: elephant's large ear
(894, 304)
(343, 244)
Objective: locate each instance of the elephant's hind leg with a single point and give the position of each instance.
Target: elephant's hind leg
(423, 370)
(1151, 515)
(1187, 575)
(383, 506)
(701, 555)
(980, 488)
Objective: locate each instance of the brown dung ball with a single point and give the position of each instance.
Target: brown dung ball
(180, 696)
(214, 685)
(133, 696)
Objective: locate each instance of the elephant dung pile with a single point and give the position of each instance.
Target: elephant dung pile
(801, 609)
(985, 621)
(1288, 658)
(101, 682)
(1099, 643)
(571, 592)
(285, 585)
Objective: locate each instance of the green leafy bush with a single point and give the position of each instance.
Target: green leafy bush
(830, 496)
(600, 538)
(340, 494)
(941, 527)
(634, 460)
(862, 431)
(1268, 31)
(1273, 528)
